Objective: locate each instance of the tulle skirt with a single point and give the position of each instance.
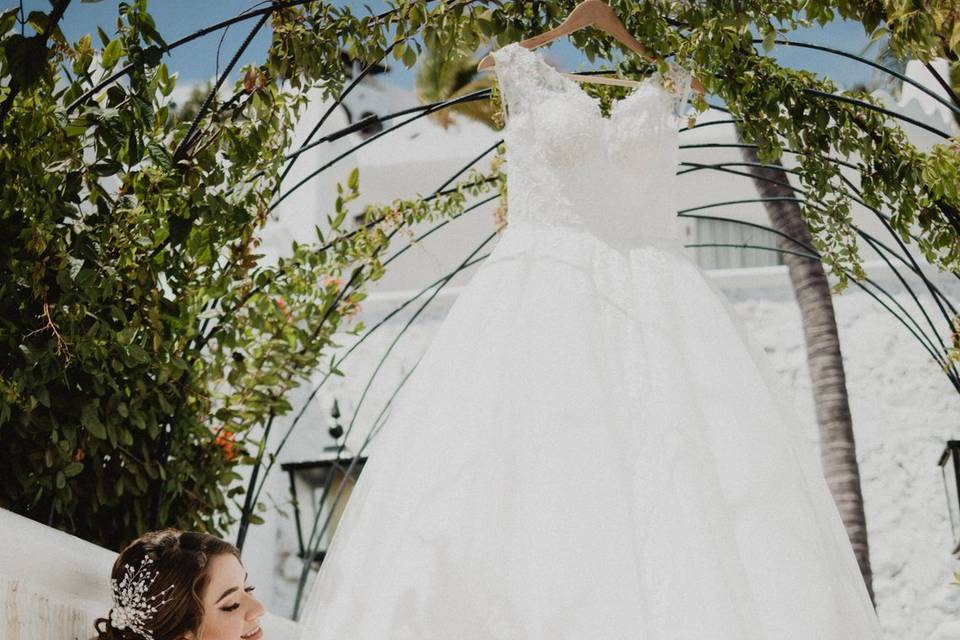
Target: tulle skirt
(591, 447)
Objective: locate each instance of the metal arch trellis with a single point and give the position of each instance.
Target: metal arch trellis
(810, 253)
(262, 14)
(485, 93)
(886, 253)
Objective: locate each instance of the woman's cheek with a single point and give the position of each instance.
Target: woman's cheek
(221, 628)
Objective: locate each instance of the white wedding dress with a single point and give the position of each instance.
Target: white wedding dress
(591, 448)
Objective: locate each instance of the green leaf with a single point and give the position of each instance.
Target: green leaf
(768, 40)
(150, 56)
(27, 59)
(160, 156)
(486, 27)
(179, 229)
(106, 167)
(7, 19)
(91, 421)
(111, 53)
(137, 353)
(409, 57)
(73, 469)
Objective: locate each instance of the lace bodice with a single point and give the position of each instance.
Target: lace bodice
(567, 164)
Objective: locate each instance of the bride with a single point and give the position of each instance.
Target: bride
(180, 585)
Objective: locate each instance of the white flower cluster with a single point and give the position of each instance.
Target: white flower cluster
(132, 607)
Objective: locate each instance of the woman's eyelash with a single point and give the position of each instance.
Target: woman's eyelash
(236, 605)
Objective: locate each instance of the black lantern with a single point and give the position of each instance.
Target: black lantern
(950, 469)
(307, 481)
(320, 480)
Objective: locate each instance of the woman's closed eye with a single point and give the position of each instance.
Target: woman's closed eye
(236, 605)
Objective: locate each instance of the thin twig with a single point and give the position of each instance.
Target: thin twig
(52, 326)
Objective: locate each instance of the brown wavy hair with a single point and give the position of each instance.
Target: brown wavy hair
(181, 560)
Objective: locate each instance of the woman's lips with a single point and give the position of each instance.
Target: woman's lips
(255, 634)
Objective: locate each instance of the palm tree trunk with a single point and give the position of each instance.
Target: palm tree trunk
(824, 360)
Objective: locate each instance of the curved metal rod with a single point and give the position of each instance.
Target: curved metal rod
(875, 65)
(733, 121)
(188, 139)
(749, 201)
(943, 83)
(946, 361)
(292, 159)
(481, 94)
(885, 220)
(745, 145)
(873, 107)
(377, 424)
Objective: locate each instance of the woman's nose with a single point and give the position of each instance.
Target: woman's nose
(255, 610)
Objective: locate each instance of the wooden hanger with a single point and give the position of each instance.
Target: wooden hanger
(591, 13)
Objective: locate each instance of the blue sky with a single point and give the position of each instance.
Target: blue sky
(197, 61)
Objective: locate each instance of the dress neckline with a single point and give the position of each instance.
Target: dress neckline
(572, 86)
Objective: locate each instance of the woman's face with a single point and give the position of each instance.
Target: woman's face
(230, 612)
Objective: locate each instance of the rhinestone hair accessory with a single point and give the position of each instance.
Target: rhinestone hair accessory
(132, 607)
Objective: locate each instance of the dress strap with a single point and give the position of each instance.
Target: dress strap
(682, 81)
(521, 74)
(510, 67)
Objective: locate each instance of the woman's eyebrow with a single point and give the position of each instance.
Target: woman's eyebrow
(231, 589)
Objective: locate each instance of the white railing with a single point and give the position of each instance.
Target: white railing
(54, 585)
